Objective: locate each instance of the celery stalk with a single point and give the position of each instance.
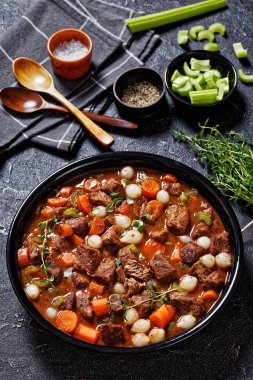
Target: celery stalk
(209, 78)
(184, 91)
(138, 24)
(244, 77)
(204, 96)
(179, 82)
(195, 30)
(206, 35)
(175, 75)
(200, 64)
(217, 27)
(189, 72)
(211, 46)
(240, 52)
(182, 37)
(221, 92)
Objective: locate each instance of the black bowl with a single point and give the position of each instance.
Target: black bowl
(116, 160)
(217, 61)
(131, 76)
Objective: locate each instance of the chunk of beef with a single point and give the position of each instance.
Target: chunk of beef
(219, 243)
(213, 281)
(191, 252)
(59, 212)
(83, 303)
(185, 303)
(215, 226)
(134, 268)
(177, 219)
(112, 334)
(200, 229)
(80, 226)
(116, 303)
(100, 198)
(173, 188)
(163, 270)
(120, 274)
(69, 301)
(161, 235)
(139, 206)
(58, 243)
(56, 271)
(209, 211)
(86, 259)
(111, 239)
(200, 271)
(125, 254)
(134, 286)
(109, 220)
(79, 280)
(111, 186)
(33, 253)
(145, 308)
(105, 271)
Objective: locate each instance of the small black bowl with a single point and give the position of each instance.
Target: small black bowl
(217, 61)
(131, 76)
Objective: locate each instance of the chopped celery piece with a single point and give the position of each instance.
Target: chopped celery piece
(209, 78)
(221, 92)
(200, 64)
(217, 27)
(225, 82)
(195, 30)
(179, 82)
(204, 96)
(240, 52)
(182, 37)
(175, 75)
(215, 73)
(204, 217)
(206, 35)
(211, 46)
(189, 72)
(244, 77)
(184, 91)
(196, 82)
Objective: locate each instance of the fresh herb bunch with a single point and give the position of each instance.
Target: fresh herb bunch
(228, 159)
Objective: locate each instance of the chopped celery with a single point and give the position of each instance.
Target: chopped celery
(244, 77)
(204, 96)
(195, 30)
(215, 73)
(184, 91)
(221, 92)
(206, 35)
(175, 75)
(200, 64)
(217, 27)
(179, 82)
(224, 81)
(134, 249)
(71, 211)
(211, 46)
(189, 72)
(182, 37)
(240, 52)
(196, 82)
(204, 217)
(210, 81)
(57, 301)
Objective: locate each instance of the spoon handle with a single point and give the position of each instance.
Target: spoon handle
(98, 133)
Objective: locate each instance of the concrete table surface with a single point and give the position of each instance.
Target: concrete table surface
(223, 350)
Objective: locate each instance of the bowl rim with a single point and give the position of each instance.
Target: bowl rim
(116, 159)
(208, 54)
(127, 72)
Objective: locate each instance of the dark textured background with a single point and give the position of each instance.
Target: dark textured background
(223, 350)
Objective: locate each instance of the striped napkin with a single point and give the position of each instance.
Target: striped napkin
(115, 50)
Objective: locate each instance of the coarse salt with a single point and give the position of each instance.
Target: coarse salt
(70, 50)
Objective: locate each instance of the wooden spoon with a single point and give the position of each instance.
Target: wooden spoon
(27, 101)
(35, 77)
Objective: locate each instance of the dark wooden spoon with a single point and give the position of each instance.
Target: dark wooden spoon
(27, 101)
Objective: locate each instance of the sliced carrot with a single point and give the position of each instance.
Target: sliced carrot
(175, 257)
(48, 212)
(96, 289)
(76, 239)
(67, 259)
(162, 316)
(87, 333)
(66, 321)
(170, 178)
(124, 209)
(151, 247)
(155, 208)
(66, 191)
(210, 295)
(150, 188)
(100, 306)
(23, 258)
(83, 203)
(63, 229)
(57, 202)
(92, 184)
(97, 226)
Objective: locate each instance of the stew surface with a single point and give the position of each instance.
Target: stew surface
(125, 258)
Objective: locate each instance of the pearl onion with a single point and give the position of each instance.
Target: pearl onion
(133, 191)
(156, 335)
(140, 340)
(51, 312)
(163, 196)
(141, 326)
(185, 239)
(119, 288)
(32, 291)
(204, 242)
(186, 322)
(99, 211)
(188, 283)
(132, 237)
(94, 241)
(223, 260)
(127, 172)
(208, 260)
(123, 221)
(131, 316)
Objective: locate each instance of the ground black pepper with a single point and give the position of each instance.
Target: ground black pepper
(140, 94)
